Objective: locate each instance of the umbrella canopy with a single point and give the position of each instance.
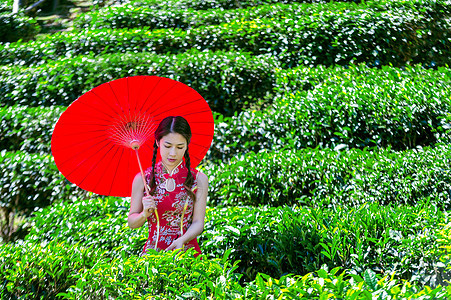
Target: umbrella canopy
(92, 140)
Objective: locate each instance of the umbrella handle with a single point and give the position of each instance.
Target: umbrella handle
(148, 194)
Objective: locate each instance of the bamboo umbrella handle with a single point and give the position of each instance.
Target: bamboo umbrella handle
(148, 194)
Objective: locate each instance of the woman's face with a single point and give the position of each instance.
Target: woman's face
(172, 149)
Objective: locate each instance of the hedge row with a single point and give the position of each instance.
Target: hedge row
(59, 271)
(351, 107)
(279, 241)
(228, 81)
(377, 38)
(308, 176)
(92, 221)
(385, 239)
(63, 271)
(15, 27)
(313, 176)
(131, 16)
(28, 129)
(217, 4)
(29, 181)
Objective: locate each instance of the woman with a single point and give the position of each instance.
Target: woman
(172, 184)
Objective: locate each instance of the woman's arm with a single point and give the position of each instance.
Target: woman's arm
(197, 226)
(136, 216)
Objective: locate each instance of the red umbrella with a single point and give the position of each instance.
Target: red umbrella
(93, 140)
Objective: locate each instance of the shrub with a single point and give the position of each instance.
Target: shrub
(283, 240)
(131, 16)
(228, 81)
(31, 270)
(15, 27)
(28, 129)
(398, 37)
(28, 181)
(92, 222)
(387, 239)
(352, 107)
(311, 176)
(216, 4)
(63, 271)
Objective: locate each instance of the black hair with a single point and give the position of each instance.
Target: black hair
(173, 125)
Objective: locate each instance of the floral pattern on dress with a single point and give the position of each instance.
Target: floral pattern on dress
(170, 208)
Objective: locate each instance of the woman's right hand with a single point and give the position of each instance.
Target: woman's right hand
(149, 205)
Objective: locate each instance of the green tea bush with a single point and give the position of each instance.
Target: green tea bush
(60, 271)
(131, 16)
(274, 241)
(15, 27)
(229, 81)
(159, 276)
(29, 270)
(157, 15)
(217, 4)
(92, 222)
(28, 129)
(278, 241)
(311, 176)
(397, 37)
(339, 284)
(351, 107)
(28, 181)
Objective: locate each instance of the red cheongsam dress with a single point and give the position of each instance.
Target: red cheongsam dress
(170, 206)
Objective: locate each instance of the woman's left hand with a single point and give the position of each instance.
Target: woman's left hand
(176, 244)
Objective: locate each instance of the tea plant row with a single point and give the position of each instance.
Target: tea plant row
(327, 38)
(307, 177)
(176, 15)
(309, 241)
(213, 4)
(334, 107)
(75, 272)
(229, 81)
(15, 27)
(343, 107)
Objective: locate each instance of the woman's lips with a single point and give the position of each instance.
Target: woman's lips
(171, 160)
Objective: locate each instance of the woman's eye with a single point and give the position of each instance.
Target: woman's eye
(181, 148)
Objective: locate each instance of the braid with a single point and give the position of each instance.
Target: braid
(153, 184)
(189, 178)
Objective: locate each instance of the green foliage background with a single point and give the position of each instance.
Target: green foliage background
(329, 171)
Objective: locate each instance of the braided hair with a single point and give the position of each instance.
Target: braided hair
(173, 125)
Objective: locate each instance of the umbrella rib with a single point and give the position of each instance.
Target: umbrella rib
(78, 133)
(151, 92)
(98, 162)
(115, 172)
(106, 105)
(97, 110)
(184, 104)
(117, 100)
(79, 143)
(165, 93)
(169, 101)
(100, 177)
(199, 112)
(128, 95)
(82, 162)
(202, 146)
(140, 89)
